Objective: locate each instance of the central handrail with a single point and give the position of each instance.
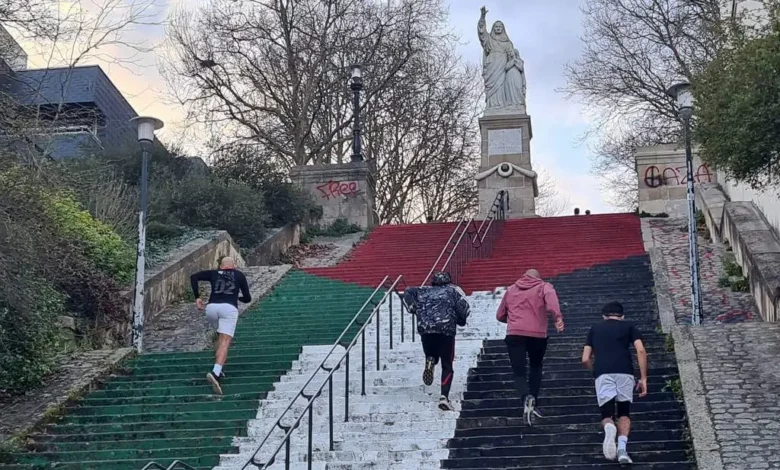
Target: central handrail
(329, 381)
(444, 250)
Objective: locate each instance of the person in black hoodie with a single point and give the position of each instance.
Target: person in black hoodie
(222, 310)
(440, 309)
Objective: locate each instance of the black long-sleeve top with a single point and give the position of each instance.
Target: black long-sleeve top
(225, 286)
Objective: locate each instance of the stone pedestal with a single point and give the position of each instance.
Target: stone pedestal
(342, 190)
(506, 164)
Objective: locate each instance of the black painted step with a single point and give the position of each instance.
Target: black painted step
(490, 433)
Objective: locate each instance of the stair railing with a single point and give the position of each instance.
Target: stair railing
(339, 342)
(480, 240)
(172, 466)
(395, 289)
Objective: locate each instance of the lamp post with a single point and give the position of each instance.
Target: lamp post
(146, 127)
(683, 94)
(356, 86)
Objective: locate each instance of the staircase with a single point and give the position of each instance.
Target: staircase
(396, 425)
(160, 406)
(392, 250)
(554, 246)
(490, 433)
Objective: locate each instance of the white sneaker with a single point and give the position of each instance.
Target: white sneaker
(623, 458)
(445, 404)
(610, 447)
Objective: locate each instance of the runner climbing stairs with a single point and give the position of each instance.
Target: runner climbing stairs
(159, 407)
(490, 434)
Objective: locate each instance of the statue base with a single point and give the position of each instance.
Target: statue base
(506, 164)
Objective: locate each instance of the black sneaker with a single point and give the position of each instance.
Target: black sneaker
(428, 371)
(528, 409)
(214, 381)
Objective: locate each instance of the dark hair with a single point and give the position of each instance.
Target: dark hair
(612, 309)
(441, 279)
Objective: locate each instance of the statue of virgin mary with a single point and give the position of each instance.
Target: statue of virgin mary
(502, 69)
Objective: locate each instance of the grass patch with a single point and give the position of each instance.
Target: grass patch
(669, 343)
(675, 386)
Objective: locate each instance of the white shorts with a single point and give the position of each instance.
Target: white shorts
(223, 317)
(617, 386)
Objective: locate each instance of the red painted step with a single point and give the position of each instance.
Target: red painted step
(391, 250)
(554, 246)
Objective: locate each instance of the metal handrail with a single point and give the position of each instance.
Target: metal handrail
(329, 381)
(300, 393)
(443, 250)
(176, 463)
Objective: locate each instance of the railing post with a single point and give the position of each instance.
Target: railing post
(363, 364)
(414, 325)
(346, 390)
(391, 320)
(311, 429)
(378, 338)
(330, 411)
(403, 309)
(287, 454)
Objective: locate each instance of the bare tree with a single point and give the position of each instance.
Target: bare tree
(274, 74)
(633, 50)
(550, 201)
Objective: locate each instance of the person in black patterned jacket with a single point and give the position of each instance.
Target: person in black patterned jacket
(440, 309)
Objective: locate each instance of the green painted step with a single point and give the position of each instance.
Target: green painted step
(160, 407)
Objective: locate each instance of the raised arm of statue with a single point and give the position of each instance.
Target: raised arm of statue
(482, 28)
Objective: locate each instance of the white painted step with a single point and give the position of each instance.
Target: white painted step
(395, 426)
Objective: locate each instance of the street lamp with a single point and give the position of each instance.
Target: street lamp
(683, 94)
(146, 127)
(356, 86)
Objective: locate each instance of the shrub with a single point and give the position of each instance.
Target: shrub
(337, 228)
(209, 202)
(102, 245)
(29, 336)
(163, 231)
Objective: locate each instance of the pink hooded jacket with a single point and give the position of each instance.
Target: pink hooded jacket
(525, 306)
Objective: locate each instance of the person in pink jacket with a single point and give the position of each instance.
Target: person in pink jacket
(524, 309)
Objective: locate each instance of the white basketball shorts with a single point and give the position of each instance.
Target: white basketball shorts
(617, 386)
(223, 317)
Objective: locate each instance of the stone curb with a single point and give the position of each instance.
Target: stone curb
(700, 423)
(87, 381)
(701, 427)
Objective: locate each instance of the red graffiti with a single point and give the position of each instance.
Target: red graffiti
(671, 176)
(333, 189)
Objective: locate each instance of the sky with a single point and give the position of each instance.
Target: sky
(546, 33)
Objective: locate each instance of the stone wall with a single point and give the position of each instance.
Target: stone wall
(662, 178)
(767, 201)
(753, 241)
(169, 282)
(342, 190)
(273, 247)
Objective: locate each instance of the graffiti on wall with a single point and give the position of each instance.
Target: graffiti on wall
(675, 176)
(334, 189)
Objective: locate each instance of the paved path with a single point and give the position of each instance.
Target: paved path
(77, 371)
(729, 365)
(720, 304)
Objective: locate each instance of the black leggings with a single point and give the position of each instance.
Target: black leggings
(519, 347)
(608, 409)
(436, 346)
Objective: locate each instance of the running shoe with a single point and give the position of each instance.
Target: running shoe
(428, 372)
(445, 404)
(214, 381)
(623, 458)
(610, 447)
(528, 409)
